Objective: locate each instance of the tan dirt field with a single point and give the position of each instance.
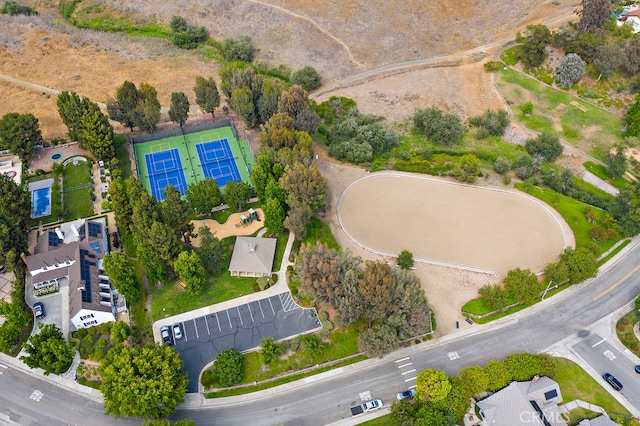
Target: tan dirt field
(231, 227)
(443, 221)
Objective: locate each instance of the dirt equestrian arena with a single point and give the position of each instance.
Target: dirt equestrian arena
(465, 226)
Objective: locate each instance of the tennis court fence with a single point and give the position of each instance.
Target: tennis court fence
(195, 128)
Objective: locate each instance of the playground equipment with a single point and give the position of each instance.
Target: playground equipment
(249, 217)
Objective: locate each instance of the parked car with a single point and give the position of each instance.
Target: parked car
(408, 394)
(366, 407)
(615, 383)
(38, 310)
(3, 269)
(177, 331)
(165, 333)
(637, 369)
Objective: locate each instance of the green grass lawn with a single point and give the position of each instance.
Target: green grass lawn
(172, 300)
(602, 173)
(573, 213)
(77, 202)
(122, 154)
(575, 383)
(587, 126)
(318, 231)
(281, 244)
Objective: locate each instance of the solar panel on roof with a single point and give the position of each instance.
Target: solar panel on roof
(94, 229)
(85, 275)
(95, 246)
(54, 241)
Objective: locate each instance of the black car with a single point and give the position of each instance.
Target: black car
(615, 383)
(165, 333)
(38, 310)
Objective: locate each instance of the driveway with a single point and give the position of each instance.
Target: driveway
(242, 327)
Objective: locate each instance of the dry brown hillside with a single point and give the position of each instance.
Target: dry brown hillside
(339, 38)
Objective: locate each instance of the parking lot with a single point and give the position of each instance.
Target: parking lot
(242, 327)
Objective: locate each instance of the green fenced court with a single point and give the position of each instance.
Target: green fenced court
(183, 157)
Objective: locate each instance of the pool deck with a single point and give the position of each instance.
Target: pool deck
(40, 184)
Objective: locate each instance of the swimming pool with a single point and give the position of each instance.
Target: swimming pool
(40, 202)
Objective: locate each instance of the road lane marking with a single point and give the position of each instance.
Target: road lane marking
(633, 271)
(409, 371)
(365, 396)
(402, 359)
(404, 365)
(217, 319)
(408, 380)
(453, 355)
(36, 395)
(3, 366)
(609, 355)
(240, 315)
(196, 327)
(596, 344)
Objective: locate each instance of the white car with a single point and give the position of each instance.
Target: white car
(177, 331)
(408, 394)
(372, 405)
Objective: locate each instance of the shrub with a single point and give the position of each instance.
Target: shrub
(493, 121)
(307, 77)
(237, 50)
(446, 129)
(570, 70)
(493, 66)
(13, 8)
(527, 108)
(270, 350)
(501, 165)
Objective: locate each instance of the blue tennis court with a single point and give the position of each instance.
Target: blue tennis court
(41, 202)
(165, 168)
(217, 161)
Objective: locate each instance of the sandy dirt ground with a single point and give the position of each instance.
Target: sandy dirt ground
(231, 227)
(439, 220)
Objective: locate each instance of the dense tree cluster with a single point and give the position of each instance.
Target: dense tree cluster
(238, 49)
(186, 36)
(20, 134)
(87, 125)
(534, 42)
(357, 138)
(228, 367)
(144, 381)
(121, 272)
(444, 401)
(135, 107)
(390, 299)
(438, 126)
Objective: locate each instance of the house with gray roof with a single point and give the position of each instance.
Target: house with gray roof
(598, 421)
(69, 259)
(524, 403)
(252, 257)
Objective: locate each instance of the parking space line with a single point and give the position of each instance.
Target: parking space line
(184, 331)
(240, 315)
(217, 319)
(196, 327)
(261, 311)
(274, 312)
(250, 314)
(207, 324)
(229, 318)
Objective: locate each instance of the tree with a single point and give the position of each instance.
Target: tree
(13, 8)
(468, 168)
(548, 365)
(557, 272)
(405, 259)
(142, 381)
(522, 284)
(274, 216)
(494, 297)
(312, 344)
(211, 251)
(190, 270)
(48, 350)
(294, 101)
(446, 129)
(378, 340)
(242, 102)
(13, 241)
(70, 110)
(432, 385)
(456, 403)
(307, 77)
(581, 264)
(593, 15)
(546, 145)
(237, 194)
(16, 320)
(179, 109)
(498, 374)
(238, 50)
(176, 214)
(502, 165)
(475, 380)
(534, 41)
(207, 96)
(228, 367)
(123, 108)
(120, 204)
(404, 412)
(376, 287)
(270, 350)
(610, 57)
(16, 202)
(493, 122)
(632, 118)
(571, 68)
(272, 89)
(617, 161)
(121, 272)
(523, 366)
(304, 186)
(95, 132)
(147, 111)
(20, 133)
(178, 24)
(430, 415)
(120, 331)
(203, 196)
